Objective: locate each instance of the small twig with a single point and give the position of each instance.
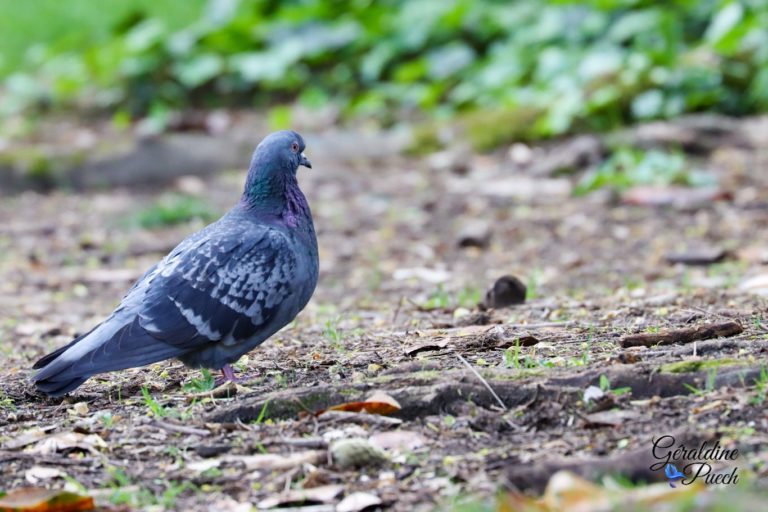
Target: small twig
(242, 425)
(289, 477)
(687, 335)
(485, 382)
(397, 309)
(544, 325)
(171, 427)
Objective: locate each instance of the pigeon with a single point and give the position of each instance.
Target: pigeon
(221, 292)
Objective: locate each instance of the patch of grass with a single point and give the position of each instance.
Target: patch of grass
(520, 374)
(605, 386)
(174, 209)
(333, 333)
(629, 167)
(731, 272)
(511, 358)
(761, 387)
(467, 297)
(201, 384)
(695, 366)
(6, 403)
(170, 495)
(123, 492)
(488, 129)
(262, 414)
(709, 385)
(153, 405)
(533, 284)
(585, 348)
(107, 420)
(438, 300)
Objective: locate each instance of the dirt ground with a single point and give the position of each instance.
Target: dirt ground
(490, 400)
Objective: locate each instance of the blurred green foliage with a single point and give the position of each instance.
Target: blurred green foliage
(629, 167)
(174, 209)
(551, 66)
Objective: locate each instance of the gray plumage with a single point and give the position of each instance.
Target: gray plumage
(219, 293)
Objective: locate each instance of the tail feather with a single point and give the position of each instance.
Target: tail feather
(43, 361)
(129, 346)
(59, 388)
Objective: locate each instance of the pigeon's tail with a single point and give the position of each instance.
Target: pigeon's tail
(45, 360)
(106, 348)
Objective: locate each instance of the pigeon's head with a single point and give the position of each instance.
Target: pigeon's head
(272, 174)
(280, 151)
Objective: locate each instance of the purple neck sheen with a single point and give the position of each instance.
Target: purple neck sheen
(296, 206)
(278, 196)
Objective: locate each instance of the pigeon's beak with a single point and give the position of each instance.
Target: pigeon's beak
(304, 161)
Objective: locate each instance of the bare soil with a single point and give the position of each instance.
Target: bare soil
(408, 248)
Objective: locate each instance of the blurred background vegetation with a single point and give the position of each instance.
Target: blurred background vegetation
(539, 68)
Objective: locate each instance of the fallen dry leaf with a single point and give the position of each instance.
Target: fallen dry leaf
(63, 441)
(26, 438)
(264, 461)
(358, 501)
(315, 495)
(568, 491)
(36, 499)
(398, 440)
(37, 474)
(377, 403)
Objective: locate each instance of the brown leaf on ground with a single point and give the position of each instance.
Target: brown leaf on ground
(36, 499)
(568, 491)
(377, 403)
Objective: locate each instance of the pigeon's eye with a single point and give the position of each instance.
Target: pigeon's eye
(295, 147)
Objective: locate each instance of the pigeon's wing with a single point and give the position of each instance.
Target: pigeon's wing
(220, 285)
(221, 290)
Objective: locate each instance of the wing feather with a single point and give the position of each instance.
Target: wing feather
(226, 288)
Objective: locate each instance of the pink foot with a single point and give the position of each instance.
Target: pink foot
(228, 375)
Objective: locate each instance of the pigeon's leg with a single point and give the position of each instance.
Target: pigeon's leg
(227, 375)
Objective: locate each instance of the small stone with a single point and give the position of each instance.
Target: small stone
(460, 312)
(520, 154)
(357, 453)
